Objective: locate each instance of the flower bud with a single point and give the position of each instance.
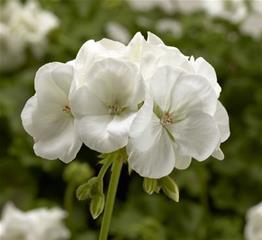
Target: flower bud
(97, 205)
(90, 189)
(150, 185)
(170, 188)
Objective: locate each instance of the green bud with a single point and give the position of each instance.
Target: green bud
(97, 205)
(78, 172)
(170, 188)
(150, 185)
(88, 190)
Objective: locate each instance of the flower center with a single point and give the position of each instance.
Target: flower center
(114, 109)
(66, 109)
(167, 119)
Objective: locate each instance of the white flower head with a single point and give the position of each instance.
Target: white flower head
(38, 224)
(253, 229)
(147, 96)
(29, 23)
(174, 124)
(47, 116)
(106, 103)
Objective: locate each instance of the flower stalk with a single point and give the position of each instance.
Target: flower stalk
(110, 199)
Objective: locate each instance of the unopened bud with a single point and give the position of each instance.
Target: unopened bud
(90, 189)
(97, 205)
(170, 188)
(150, 185)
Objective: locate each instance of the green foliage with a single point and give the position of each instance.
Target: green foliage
(214, 195)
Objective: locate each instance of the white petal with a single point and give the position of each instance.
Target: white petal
(84, 102)
(91, 52)
(135, 47)
(52, 82)
(93, 131)
(196, 136)
(192, 93)
(27, 115)
(218, 154)
(120, 125)
(161, 85)
(113, 81)
(143, 117)
(146, 134)
(157, 161)
(222, 120)
(203, 68)
(64, 143)
(155, 56)
(153, 39)
(182, 162)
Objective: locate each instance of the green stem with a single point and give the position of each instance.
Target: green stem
(110, 199)
(104, 168)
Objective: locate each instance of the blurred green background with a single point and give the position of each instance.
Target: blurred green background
(215, 195)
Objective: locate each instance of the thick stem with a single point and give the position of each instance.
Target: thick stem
(110, 199)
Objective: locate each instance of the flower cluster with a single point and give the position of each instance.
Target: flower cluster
(23, 26)
(149, 98)
(41, 224)
(253, 229)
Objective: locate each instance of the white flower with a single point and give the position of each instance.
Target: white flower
(117, 32)
(169, 25)
(252, 25)
(146, 5)
(29, 23)
(189, 6)
(40, 224)
(253, 229)
(233, 10)
(47, 116)
(175, 125)
(106, 103)
(12, 50)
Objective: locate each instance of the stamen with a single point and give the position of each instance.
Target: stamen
(114, 109)
(167, 119)
(67, 109)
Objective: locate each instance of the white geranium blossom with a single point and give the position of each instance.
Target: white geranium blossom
(169, 58)
(169, 25)
(106, 104)
(231, 10)
(40, 224)
(252, 25)
(167, 6)
(253, 228)
(175, 125)
(12, 50)
(30, 23)
(146, 96)
(22, 26)
(47, 116)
